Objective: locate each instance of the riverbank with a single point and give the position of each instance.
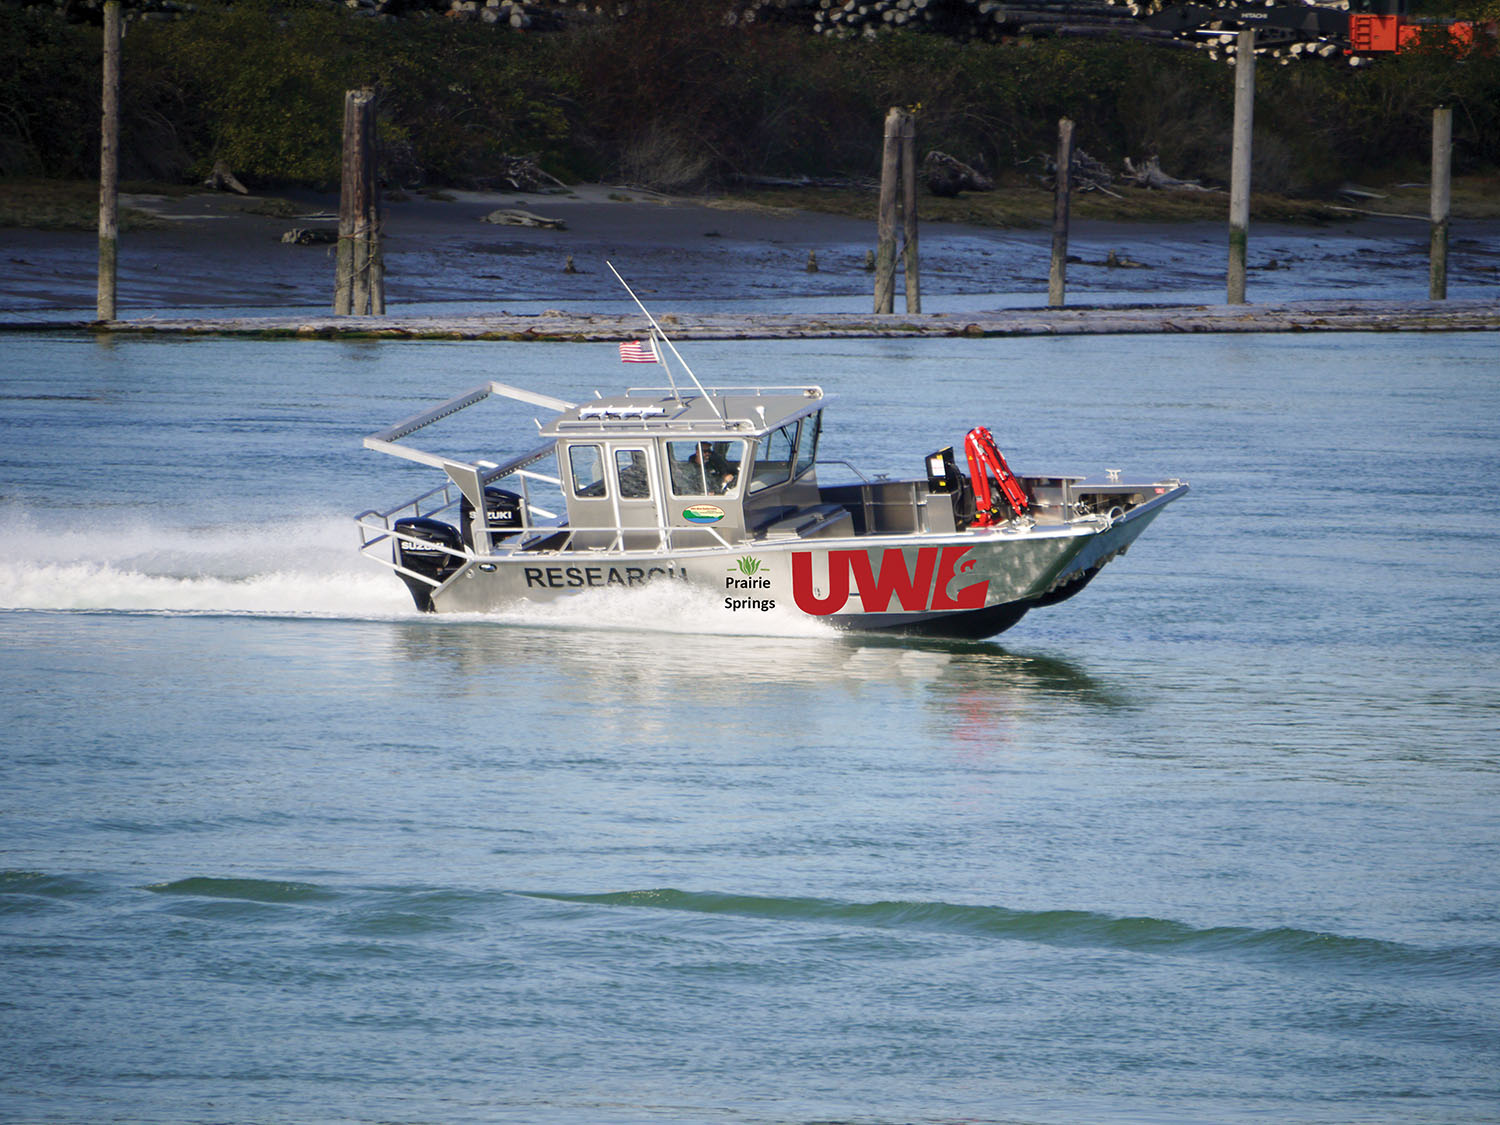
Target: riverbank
(559, 326)
(217, 256)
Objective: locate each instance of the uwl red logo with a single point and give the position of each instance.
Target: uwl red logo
(922, 588)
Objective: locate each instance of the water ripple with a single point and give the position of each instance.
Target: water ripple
(248, 890)
(1283, 944)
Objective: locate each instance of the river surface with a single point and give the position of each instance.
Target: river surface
(1215, 841)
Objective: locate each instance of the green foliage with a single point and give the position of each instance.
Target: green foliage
(49, 95)
(1380, 117)
(454, 98)
(766, 100)
(268, 81)
(1479, 11)
(674, 96)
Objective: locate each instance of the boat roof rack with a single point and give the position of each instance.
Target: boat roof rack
(389, 440)
(727, 411)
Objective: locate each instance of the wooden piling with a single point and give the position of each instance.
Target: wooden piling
(909, 212)
(109, 163)
(1239, 168)
(885, 246)
(359, 277)
(1057, 281)
(1442, 167)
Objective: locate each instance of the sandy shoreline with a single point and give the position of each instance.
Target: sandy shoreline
(211, 252)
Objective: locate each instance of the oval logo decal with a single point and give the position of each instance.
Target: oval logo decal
(703, 513)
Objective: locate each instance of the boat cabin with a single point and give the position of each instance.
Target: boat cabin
(689, 470)
(648, 469)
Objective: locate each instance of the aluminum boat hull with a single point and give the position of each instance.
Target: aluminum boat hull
(972, 583)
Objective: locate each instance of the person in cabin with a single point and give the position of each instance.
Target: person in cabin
(688, 477)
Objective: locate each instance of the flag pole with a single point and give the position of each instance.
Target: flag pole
(662, 359)
(656, 330)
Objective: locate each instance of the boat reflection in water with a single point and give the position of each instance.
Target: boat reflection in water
(634, 682)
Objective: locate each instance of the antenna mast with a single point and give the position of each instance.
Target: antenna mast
(657, 331)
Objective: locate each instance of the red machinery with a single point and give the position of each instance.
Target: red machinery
(985, 460)
(1360, 28)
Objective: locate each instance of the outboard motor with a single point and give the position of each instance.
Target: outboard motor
(502, 515)
(417, 548)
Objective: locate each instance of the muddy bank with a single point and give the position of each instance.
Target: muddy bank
(211, 252)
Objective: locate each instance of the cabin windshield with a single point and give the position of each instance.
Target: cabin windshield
(704, 468)
(786, 453)
(807, 445)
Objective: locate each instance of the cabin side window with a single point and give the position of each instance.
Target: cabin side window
(807, 445)
(773, 462)
(587, 466)
(704, 468)
(630, 473)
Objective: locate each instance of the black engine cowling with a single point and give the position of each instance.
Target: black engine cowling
(502, 515)
(418, 543)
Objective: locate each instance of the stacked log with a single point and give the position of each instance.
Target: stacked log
(1221, 43)
(959, 19)
(971, 19)
(1275, 45)
(985, 20)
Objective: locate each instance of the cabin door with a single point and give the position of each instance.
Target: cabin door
(639, 496)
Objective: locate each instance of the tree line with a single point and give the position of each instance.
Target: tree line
(674, 96)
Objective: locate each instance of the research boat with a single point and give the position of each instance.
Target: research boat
(721, 488)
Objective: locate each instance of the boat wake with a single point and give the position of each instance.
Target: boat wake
(297, 567)
(309, 568)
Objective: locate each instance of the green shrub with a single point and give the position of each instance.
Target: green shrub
(673, 96)
(49, 95)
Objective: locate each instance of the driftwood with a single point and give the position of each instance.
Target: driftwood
(1085, 174)
(523, 173)
(222, 179)
(946, 176)
(1114, 260)
(310, 236)
(511, 217)
(1150, 175)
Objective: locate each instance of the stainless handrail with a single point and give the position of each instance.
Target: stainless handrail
(848, 465)
(530, 535)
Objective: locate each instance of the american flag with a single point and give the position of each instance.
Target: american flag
(638, 351)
